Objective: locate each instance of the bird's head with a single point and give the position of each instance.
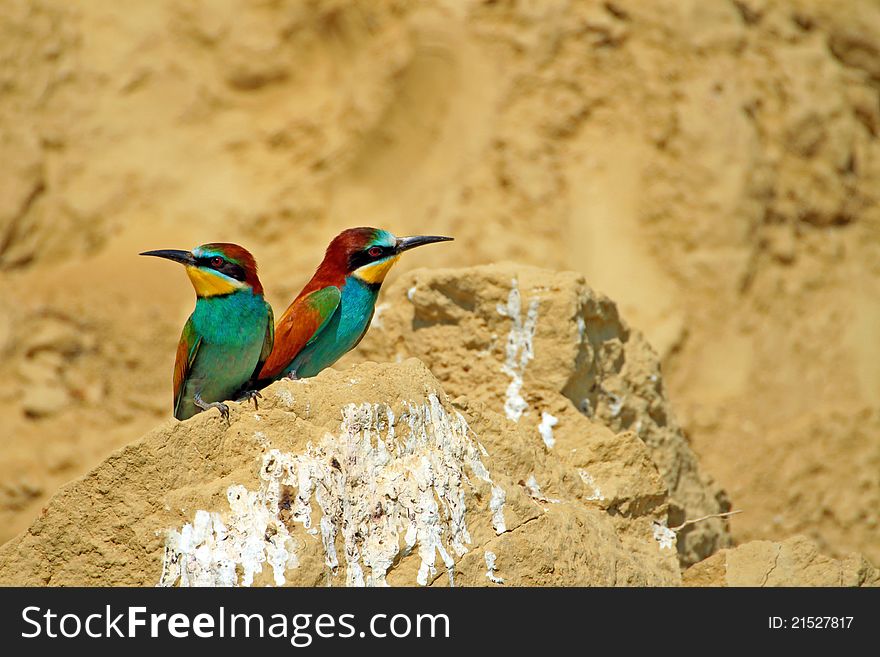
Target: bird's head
(216, 269)
(369, 253)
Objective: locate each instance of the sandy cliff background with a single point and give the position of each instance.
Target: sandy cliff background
(712, 166)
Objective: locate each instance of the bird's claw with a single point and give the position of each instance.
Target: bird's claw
(250, 395)
(220, 406)
(291, 375)
(223, 408)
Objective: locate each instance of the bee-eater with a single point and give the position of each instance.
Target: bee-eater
(333, 312)
(230, 333)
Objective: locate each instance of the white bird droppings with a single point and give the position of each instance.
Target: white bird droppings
(261, 439)
(664, 536)
(496, 506)
(210, 551)
(588, 480)
(520, 349)
(491, 569)
(615, 404)
(285, 396)
(535, 491)
(546, 429)
(386, 486)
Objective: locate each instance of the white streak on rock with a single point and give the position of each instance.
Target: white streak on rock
(519, 349)
(285, 396)
(209, 551)
(532, 485)
(535, 491)
(664, 536)
(374, 484)
(491, 569)
(586, 407)
(496, 506)
(261, 439)
(615, 404)
(587, 478)
(546, 429)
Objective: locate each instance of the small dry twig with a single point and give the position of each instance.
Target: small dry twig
(711, 515)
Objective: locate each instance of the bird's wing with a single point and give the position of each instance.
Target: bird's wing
(268, 341)
(301, 323)
(187, 349)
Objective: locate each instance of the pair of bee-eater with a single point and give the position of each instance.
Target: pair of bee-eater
(231, 346)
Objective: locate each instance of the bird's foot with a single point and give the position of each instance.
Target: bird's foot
(250, 395)
(205, 406)
(291, 375)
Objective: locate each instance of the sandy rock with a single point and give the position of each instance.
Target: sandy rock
(365, 477)
(57, 334)
(40, 401)
(793, 562)
(43, 367)
(47, 355)
(549, 352)
(566, 546)
(17, 494)
(19, 189)
(833, 500)
(587, 450)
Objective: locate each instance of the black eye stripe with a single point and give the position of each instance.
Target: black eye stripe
(363, 257)
(231, 269)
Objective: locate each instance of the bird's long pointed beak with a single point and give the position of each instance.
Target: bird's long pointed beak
(407, 243)
(183, 257)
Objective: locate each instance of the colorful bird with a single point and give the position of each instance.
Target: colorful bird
(333, 312)
(230, 333)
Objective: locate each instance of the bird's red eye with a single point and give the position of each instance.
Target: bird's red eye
(216, 261)
(375, 251)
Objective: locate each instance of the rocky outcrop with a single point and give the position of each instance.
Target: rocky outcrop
(555, 357)
(368, 476)
(793, 562)
(530, 443)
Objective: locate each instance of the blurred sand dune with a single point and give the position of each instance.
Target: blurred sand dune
(713, 166)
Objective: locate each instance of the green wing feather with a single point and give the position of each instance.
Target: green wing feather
(187, 349)
(324, 302)
(268, 341)
(300, 324)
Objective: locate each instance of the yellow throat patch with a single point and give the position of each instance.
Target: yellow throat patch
(208, 284)
(375, 272)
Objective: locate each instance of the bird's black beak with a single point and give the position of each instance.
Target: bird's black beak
(407, 243)
(183, 257)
